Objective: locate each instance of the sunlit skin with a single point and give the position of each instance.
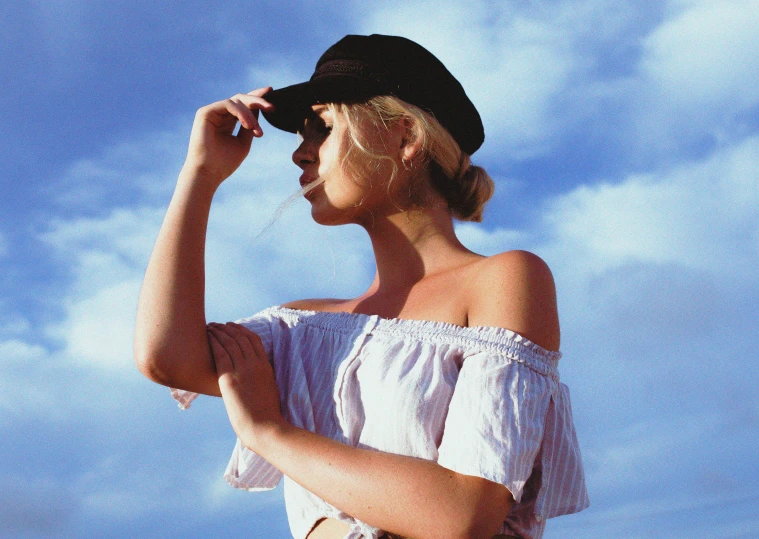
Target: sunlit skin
(423, 272)
(342, 198)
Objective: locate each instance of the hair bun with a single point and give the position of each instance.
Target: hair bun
(468, 191)
(465, 187)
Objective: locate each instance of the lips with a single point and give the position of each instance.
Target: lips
(305, 179)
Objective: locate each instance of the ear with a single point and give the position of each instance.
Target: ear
(411, 143)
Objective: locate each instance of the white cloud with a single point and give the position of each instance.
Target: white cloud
(106, 257)
(99, 327)
(705, 56)
(20, 352)
(490, 242)
(696, 79)
(21, 391)
(26, 381)
(701, 215)
(130, 172)
(103, 251)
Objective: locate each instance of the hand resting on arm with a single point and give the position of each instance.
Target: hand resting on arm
(375, 487)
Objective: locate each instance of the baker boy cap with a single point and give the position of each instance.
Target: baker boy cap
(357, 68)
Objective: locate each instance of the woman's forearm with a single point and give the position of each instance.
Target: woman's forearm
(404, 495)
(171, 346)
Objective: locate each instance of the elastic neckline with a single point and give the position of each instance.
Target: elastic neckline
(427, 330)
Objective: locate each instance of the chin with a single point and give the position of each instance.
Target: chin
(329, 215)
(327, 218)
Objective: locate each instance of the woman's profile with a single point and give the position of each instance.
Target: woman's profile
(430, 406)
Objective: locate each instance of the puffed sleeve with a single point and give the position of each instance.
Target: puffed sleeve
(495, 421)
(507, 407)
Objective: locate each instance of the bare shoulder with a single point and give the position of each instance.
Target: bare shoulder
(319, 304)
(515, 290)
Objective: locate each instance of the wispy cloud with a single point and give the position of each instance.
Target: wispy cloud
(696, 77)
(701, 214)
(656, 264)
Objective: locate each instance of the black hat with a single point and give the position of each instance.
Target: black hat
(357, 68)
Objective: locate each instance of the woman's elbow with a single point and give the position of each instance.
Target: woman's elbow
(149, 361)
(478, 528)
(149, 366)
(491, 504)
(471, 530)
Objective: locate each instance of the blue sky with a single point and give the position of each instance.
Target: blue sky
(624, 140)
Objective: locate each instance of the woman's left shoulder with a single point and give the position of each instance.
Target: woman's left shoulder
(515, 290)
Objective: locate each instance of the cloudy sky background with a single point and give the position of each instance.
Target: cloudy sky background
(624, 140)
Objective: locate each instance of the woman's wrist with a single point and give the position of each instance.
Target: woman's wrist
(267, 440)
(198, 179)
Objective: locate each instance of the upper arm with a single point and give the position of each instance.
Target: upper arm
(515, 290)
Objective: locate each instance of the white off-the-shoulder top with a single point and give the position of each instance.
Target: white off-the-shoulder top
(481, 401)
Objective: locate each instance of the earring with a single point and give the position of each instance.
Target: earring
(407, 165)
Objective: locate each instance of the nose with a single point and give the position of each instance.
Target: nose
(305, 153)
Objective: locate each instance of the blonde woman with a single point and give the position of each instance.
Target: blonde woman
(428, 407)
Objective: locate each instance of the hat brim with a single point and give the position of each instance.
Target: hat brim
(293, 103)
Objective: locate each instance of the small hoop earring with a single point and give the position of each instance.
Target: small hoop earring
(407, 165)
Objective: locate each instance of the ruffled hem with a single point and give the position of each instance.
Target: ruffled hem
(184, 398)
(238, 484)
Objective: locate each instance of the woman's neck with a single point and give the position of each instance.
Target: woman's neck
(411, 245)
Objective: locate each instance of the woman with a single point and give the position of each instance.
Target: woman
(430, 405)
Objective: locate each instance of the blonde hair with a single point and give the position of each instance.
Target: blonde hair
(464, 186)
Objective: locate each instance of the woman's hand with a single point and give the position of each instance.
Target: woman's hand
(246, 381)
(214, 152)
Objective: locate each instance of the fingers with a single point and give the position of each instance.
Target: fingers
(241, 107)
(221, 358)
(245, 108)
(239, 342)
(254, 101)
(248, 120)
(230, 344)
(258, 346)
(259, 92)
(246, 136)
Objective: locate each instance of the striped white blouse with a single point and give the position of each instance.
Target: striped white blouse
(481, 401)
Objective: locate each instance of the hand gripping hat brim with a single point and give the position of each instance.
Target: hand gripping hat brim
(357, 68)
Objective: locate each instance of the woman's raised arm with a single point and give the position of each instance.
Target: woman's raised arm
(170, 342)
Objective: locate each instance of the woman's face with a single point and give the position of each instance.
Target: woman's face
(340, 197)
